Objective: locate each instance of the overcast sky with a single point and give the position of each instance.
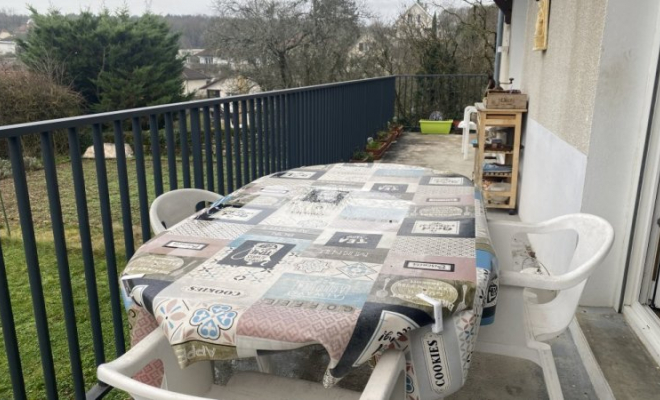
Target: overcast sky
(386, 9)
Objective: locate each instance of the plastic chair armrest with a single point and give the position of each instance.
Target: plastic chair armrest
(515, 227)
(543, 282)
(118, 373)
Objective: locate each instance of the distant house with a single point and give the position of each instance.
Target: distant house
(211, 57)
(188, 55)
(7, 46)
(416, 16)
(364, 44)
(4, 34)
(193, 81)
(230, 87)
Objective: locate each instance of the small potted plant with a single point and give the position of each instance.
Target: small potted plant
(360, 155)
(395, 127)
(375, 148)
(385, 136)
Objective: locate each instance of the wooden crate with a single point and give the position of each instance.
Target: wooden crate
(505, 100)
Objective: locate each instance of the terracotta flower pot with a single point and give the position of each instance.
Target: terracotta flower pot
(378, 152)
(365, 159)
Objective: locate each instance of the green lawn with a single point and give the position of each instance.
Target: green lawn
(18, 282)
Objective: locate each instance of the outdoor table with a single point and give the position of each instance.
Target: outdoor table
(333, 255)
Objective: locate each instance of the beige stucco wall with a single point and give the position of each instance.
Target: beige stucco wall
(192, 86)
(561, 81)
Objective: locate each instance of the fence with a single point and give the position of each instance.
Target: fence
(216, 144)
(417, 96)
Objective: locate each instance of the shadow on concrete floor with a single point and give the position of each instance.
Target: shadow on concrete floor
(628, 367)
(440, 152)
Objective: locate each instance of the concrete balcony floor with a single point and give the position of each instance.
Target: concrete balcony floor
(626, 366)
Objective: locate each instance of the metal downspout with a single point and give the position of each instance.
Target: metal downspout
(498, 45)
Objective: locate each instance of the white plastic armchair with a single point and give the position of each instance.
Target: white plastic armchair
(466, 125)
(174, 206)
(195, 382)
(525, 317)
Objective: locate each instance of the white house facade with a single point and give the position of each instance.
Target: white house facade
(7, 47)
(193, 81)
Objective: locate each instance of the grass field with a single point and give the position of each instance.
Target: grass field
(14, 257)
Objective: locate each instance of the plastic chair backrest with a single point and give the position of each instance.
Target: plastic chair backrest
(594, 239)
(174, 206)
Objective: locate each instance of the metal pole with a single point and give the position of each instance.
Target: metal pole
(498, 45)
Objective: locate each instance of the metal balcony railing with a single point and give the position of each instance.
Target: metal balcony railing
(420, 95)
(217, 144)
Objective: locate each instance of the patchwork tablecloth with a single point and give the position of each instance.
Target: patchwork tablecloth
(331, 254)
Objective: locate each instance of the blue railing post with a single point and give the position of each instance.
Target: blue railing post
(185, 149)
(55, 207)
(32, 261)
(170, 142)
(195, 133)
(122, 174)
(217, 135)
(9, 335)
(208, 149)
(78, 175)
(143, 197)
(108, 239)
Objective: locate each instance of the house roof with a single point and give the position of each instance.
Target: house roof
(207, 53)
(193, 75)
(415, 8)
(208, 85)
(232, 84)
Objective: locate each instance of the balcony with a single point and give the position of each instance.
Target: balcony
(70, 225)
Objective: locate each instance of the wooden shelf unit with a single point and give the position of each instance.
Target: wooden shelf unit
(500, 118)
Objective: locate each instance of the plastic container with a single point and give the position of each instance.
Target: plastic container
(435, 127)
(499, 187)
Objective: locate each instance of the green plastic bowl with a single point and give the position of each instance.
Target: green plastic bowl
(435, 127)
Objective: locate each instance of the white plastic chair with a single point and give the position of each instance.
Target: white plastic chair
(466, 124)
(524, 318)
(174, 206)
(195, 382)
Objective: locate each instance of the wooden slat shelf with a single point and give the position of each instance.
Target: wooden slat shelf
(500, 151)
(496, 174)
(499, 118)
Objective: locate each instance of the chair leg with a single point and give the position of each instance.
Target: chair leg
(536, 352)
(547, 363)
(264, 363)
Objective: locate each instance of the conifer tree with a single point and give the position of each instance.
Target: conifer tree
(113, 61)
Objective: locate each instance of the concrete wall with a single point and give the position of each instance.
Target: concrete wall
(561, 83)
(552, 185)
(590, 93)
(620, 119)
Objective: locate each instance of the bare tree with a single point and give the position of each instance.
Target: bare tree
(472, 24)
(286, 43)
